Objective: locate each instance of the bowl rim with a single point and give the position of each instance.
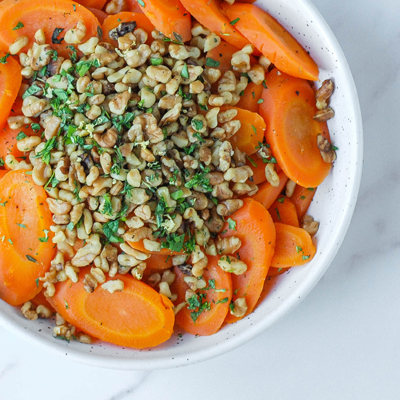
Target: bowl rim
(292, 300)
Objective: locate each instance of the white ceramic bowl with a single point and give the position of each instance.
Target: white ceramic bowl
(333, 206)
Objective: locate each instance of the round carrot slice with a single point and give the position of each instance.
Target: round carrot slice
(276, 271)
(302, 198)
(208, 311)
(136, 317)
(159, 262)
(251, 97)
(273, 40)
(25, 244)
(112, 21)
(169, 17)
(255, 229)
(293, 247)
(2, 173)
(288, 110)
(55, 17)
(267, 193)
(100, 15)
(284, 211)
(251, 132)
(10, 82)
(133, 6)
(209, 14)
(98, 4)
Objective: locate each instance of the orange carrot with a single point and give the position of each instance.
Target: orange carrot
(222, 55)
(267, 193)
(273, 40)
(169, 17)
(137, 317)
(218, 295)
(284, 211)
(255, 229)
(41, 299)
(258, 167)
(133, 6)
(113, 21)
(140, 247)
(302, 198)
(97, 4)
(251, 97)
(43, 14)
(209, 14)
(251, 131)
(288, 110)
(293, 247)
(2, 173)
(10, 82)
(277, 271)
(27, 249)
(8, 141)
(159, 262)
(100, 15)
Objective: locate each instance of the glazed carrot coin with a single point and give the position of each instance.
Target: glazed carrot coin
(251, 97)
(302, 198)
(255, 228)
(288, 110)
(277, 271)
(169, 17)
(293, 247)
(214, 301)
(2, 173)
(100, 15)
(136, 317)
(26, 248)
(267, 193)
(159, 262)
(221, 56)
(112, 21)
(273, 40)
(97, 4)
(55, 17)
(209, 14)
(283, 210)
(251, 132)
(133, 6)
(258, 167)
(10, 82)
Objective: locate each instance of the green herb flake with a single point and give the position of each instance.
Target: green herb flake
(310, 189)
(185, 72)
(210, 62)
(298, 249)
(260, 101)
(302, 197)
(156, 61)
(277, 213)
(70, 226)
(252, 162)
(141, 2)
(264, 84)
(66, 304)
(177, 195)
(232, 307)
(335, 148)
(44, 239)
(35, 127)
(22, 226)
(30, 258)
(306, 257)
(21, 135)
(254, 129)
(31, 91)
(110, 231)
(235, 21)
(197, 124)
(54, 37)
(281, 200)
(3, 60)
(1, 161)
(235, 292)
(224, 300)
(232, 224)
(37, 282)
(20, 25)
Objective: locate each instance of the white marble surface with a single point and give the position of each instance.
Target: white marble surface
(342, 341)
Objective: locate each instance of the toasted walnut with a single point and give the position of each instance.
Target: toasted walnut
(232, 264)
(33, 106)
(227, 83)
(137, 57)
(87, 253)
(224, 154)
(171, 115)
(77, 34)
(28, 311)
(256, 74)
(324, 115)
(18, 121)
(19, 43)
(107, 139)
(149, 127)
(239, 174)
(324, 93)
(239, 307)
(228, 207)
(119, 103)
(309, 225)
(271, 175)
(229, 245)
(327, 151)
(289, 188)
(244, 188)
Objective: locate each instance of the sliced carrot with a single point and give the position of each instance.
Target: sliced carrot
(137, 317)
(302, 198)
(10, 82)
(258, 167)
(267, 193)
(277, 271)
(140, 246)
(273, 40)
(113, 21)
(293, 247)
(100, 15)
(284, 211)
(41, 299)
(2, 173)
(97, 4)
(251, 97)
(43, 14)
(169, 17)
(8, 141)
(222, 54)
(159, 262)
(288, 110)
(209, 14)
(255, 229)
(133, 6)
(207, 322)
(24, 219)
(251, 132)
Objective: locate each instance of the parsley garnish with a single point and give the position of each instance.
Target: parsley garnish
(30, 258)
(21, 135)
(277, 213)
(141, 2)
(197, 125)
(54, 37)
(73, 55)
(260, 101)
(110, 229)
(253, 163)
(281, 200)
(1, 161)
(66, 304)
(107, 207)
(45, 153)
(185, 72)
(35, 127)
(210, 62)
(231, 224)
(45, 239)
(200, 180)
(174, 242)
(299, 249)
(156, 61)
(37, 282)
(20, 25)
(22, 226)
(196, 302)
(306, 257)
(83, 66)
(3, 60)
(222, 300)
(235, 21)
(31, 90)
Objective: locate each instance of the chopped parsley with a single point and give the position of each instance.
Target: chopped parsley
(200, 179)
(45, 153)
(252, 162)
(224, 300)
(22, 226)
(281, 200)
(20, 25)
(30, 258)
(198, 304)
(197, 125)
(185, 72)
(235, 21)
(277, 213)
(156, 61)
(31, 90)
(110, 231)
(231, 224)
(141, 2)
(37, 282)
(3, 60)
(210, 62)
(21, 135)
(45, 239)
(54, 38)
